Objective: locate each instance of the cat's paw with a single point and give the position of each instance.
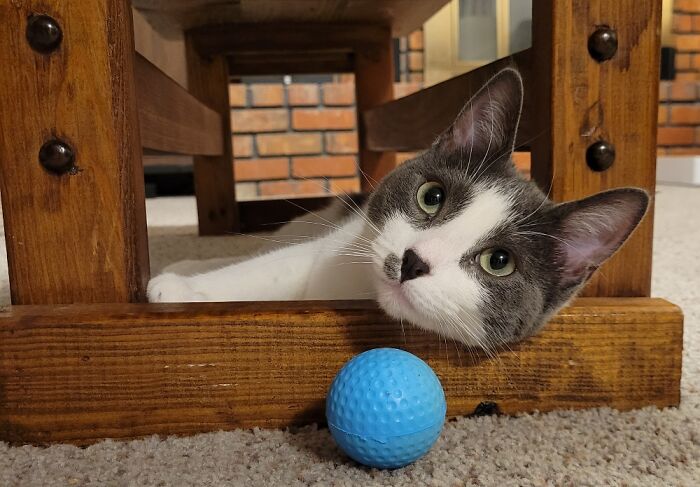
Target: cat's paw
(171, 288)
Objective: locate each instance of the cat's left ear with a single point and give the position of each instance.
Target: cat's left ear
(487, 125)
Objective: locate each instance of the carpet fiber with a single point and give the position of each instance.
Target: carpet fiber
(595, 447)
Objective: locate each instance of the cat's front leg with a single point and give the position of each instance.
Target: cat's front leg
(172, 288)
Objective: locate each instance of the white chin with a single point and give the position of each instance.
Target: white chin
(398, 306)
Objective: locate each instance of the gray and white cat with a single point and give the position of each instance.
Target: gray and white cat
(454, 241)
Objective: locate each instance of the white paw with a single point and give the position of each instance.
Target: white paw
(171, 288)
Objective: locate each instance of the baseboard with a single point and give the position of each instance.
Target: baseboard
(678, 170)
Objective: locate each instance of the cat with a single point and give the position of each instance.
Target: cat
(455, 241)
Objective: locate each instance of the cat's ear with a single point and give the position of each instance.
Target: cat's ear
(593, 228)
(488, 123)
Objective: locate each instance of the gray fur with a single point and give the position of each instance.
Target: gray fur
(537, 234)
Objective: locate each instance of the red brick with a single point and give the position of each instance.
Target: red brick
(682, 23)
(660, 151)
(345, 185)
(338, 94)
(405, 88)
(695, 62)
(267, 95)
(662, 117)
(675, 136)
(259, 120)
(683, 61)
(686, 6)
(664, 88)
(302, 94)
(402, 157)
(522, 161)
(260, 169)
(291, 188)
(688, 42)
(242, 145)
(683, 91)
(341, 142)
(246, 191)
(415, 61)
(331, 166)
(417, 77)
(696, 23)
(685, 114)
(415, 41)
(687, 76)
(288, 144)
(323, 119)
(237, 94)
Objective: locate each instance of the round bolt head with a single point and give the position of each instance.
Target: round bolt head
(602, 44)
(44, 34)
(56, 156)
(600, 155)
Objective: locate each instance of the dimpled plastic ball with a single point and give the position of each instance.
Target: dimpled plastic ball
(386, 408)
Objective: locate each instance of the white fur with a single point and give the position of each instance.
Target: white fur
(323, 268)
(446, 300)
(348, 262)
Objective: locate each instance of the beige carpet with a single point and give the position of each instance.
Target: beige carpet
(597, 447)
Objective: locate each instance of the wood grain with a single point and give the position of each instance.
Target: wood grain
(171, 119)
(79, 237)
(308, 61)
(581, 101)
(413, 122)
(404, 16)
(81, 373)
(214, 182)
(374, 85)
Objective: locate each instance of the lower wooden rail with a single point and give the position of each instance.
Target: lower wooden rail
(80, 373)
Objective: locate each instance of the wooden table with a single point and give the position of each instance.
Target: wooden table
(82, 357)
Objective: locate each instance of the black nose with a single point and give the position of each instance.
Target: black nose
(412, 266)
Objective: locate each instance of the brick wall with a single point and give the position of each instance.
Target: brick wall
(679, 107)
(300, 138)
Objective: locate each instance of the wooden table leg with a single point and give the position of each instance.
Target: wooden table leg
(77, 236)
(215, 188)
(582, 101)
(374, 85)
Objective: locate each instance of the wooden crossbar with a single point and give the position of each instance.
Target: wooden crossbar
(80, 373)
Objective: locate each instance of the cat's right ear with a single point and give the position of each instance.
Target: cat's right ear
(592, 229)
(487, 125)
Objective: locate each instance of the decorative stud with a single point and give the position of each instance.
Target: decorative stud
(602, 44)
(600, 155)
(56, 156)
(44, 33)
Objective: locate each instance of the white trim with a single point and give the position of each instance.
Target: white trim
(678, 170)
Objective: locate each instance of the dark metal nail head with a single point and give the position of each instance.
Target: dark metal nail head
(600, 155)
(44, 33)
(486, 408)
(602, 44)
(56, 156)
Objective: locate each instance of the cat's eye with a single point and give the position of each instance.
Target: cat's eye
(497, 262)
(431, 196)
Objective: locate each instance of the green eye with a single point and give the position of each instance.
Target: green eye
(431, 196)
(497, 262)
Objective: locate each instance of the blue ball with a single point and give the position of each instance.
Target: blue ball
(386, 408)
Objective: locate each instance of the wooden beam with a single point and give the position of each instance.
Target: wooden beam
(301, 62)
(413, 122)
(171, 119)
(374, 85)
(82, 373)
(285, 37)
(581, 101)
(214, 182)
(77, 236)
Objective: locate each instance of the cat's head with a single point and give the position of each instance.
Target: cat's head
(466, 247)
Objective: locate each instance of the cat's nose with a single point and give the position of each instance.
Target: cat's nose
(412, 266)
